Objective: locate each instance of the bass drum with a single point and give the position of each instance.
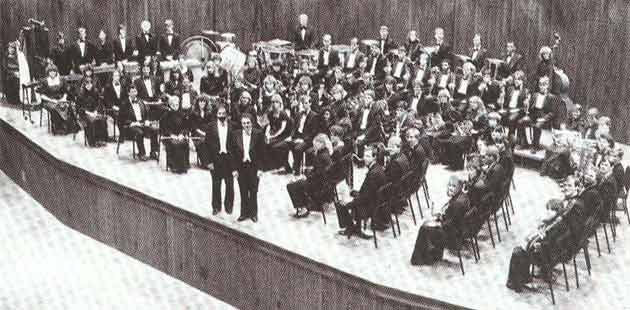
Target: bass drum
(199, 48)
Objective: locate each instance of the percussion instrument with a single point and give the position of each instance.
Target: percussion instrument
(104, 68)
(366, 44)
(310, 54)
(228, 37)
(342, 50)
(274, 51)
(131, 67)
(494, 64)
(232, 59)
(280, 43)
(198, 47)
(211, 34)
(168, 65)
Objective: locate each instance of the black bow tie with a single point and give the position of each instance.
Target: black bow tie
(82, 40)
(116, 84)
(302, 27)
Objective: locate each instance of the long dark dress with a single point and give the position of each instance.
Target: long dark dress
(201, 121)
(177, 151)
(63, 119)
(96, 127)
(274, 152)
(11, 79)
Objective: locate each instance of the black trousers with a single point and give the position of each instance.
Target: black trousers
(96, 130)
(177, 155)
(248, 185)
(297, 193)
(298, 150)
(520, 263)
(139, 133)
(222, 172)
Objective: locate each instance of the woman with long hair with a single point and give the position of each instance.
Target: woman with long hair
(91, 114)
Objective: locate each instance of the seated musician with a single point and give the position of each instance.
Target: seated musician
(362, 206)
(91, 111)
(608, 190)
(489, 175)
(148, 85)
(375, 63)
(341, 140)
(557, 163)
(445, 78)
(306, 125)
(544, 109)
(415, 151)
(354, 58)
(444, 230)
(532, 250)
(245, 105)
(54, 95)
(615, 156)
(134, 116)
(396, 167)
(174, 83)
(215, 82)
(477, 53)
(335, 78)
(444, 50)
(367, 124)
(200, 119)
(305, 88)
(270, 87)
(465, 84)
(489, 90)
(306, 194)
(401, 66)
(88, 73)
(187, 96)
(279, 70)
(175, 128)
(276, 132)
(251, 74)
(11, 73)
(413, 46)
(514, 108)
(512, 61)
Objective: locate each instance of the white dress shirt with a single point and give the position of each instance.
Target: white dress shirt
(399, 69)
(117, 90)
(82, 48)
(123, 44)
(540, 101)
(302, 122)
(149, 87)
(326, 57)
(364, 118)
(475, 54)
(137, 112)
(170, 39)
(247, 139)
(223, 131)
(186, 101)
(303, 34)
(443, 81)
(463, 86)
(351, 60)
(514, 99)
(414, 103)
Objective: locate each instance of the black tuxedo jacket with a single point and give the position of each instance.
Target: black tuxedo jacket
(212, 141)
(367, 198)
(142, 89)
(333, 60)
(311, 127)
(389, 45)
(480, 60)
(308, 41)
(78, 59)
(443, 53)
(397, 166)
(119, 54)
(169, 49)
(104, 53)
(144, 47)
(113, 99)
(508, 68)
(255, 149)
(414, 49)
(127, 116)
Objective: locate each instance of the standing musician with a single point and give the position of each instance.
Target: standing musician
(306, 194)
(169, 42)
(81, 52)
(376, 62)
(328, 58)
(465, 84)
(134, 116)
(413, 46)
(385, 43)
(515, 107)
(104, 50)
(247, 148)
(445, 78)
(512, 61)
(221, 161)
(545, 110)
(303, 35)
(443, 51)
(175, 127)
(215, 83)
(200, 119)
(91, 111)
(174, 84)
(477, 53)
(59, 55)
(354, 57)
(54, 96)
(123, 46)
(146, 45)
(401, 66)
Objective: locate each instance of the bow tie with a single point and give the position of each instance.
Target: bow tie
(81, 40)
(116, 84)
(302, 27)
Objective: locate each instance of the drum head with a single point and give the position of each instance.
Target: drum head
(198, 47)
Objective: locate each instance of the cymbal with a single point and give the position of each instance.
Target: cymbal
(277, 49)
(228, 36)
(210, 32)
(369, 42)
(278, 42)
(341, 48)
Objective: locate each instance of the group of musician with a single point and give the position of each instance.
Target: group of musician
(389, 106)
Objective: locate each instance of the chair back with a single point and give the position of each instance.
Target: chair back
(626, 179)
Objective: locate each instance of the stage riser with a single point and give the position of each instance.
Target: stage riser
(241, 270)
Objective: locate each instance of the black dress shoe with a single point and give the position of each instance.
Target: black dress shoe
(363, 235)
(215, 212)
(254, 218)
(153, 155)
(142, 157)
(228, 211)
(302, 214)
(241, 218)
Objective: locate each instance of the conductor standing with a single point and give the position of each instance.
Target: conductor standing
(247, 155)
(220, 164)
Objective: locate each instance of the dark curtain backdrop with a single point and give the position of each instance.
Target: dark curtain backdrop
(594, 33)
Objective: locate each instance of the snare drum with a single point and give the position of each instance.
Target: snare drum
(131, 67)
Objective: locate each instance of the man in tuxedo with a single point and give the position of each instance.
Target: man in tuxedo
(123, 48)
(247, 148)
(512, 61)
(146, 44)
(413, 46)
(354, 57)
(396, 167)
(148, 85)
(169, 42)
(59, 55)
(134, 117)
(443, 52)
(114, 95)
(221, 161)
(328, 58)
(303, 35)
(385, 43)
(477, 53)
(376, 62)
(364, 202)
(307, 125)
(546, 110)
(415, 151)
(82, 51)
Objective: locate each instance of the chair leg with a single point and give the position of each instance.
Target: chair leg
(413, 214)
(490, 231)
(613, 227)
(513, 185)
(566, 279)
(587, 259)
(507, 206)
(461, 263)
(427, 196)
(599, 252)
(418, 200)
(391, 224)
(507, 228)
(118, 146)
(511, 204)
(477, 247)
(625, 207)
(577, 276)
(397, 224)
(606, 236)
(553, 298)
(323, 215)
(374, 234)
(496, 224)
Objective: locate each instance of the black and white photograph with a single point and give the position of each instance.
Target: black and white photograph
(314, 154)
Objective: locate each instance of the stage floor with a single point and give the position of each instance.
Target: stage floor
(46, 265)
(483, 286)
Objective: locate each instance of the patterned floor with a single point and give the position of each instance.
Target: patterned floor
(483, 286)
(46, 265)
